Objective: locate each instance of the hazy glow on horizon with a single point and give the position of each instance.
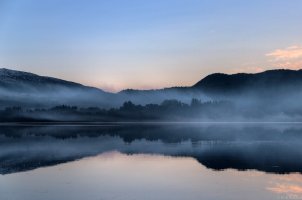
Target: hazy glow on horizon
(148, 44)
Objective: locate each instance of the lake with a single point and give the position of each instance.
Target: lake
(129, 161)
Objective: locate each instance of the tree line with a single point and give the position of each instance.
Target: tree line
(171, 109)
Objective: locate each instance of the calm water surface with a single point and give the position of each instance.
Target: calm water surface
(151, 161)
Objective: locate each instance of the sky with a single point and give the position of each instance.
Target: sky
(120, 44)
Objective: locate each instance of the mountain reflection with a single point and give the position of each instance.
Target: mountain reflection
(274, 148)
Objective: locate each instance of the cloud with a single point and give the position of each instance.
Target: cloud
(297, 64)
(289, 53)
(290, 57)
(286, 189)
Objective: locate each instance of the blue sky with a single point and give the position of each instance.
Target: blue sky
(121, 44)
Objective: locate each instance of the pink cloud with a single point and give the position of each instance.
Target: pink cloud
(290, 57)
(292, 52)
(297, 64)
(286, 189)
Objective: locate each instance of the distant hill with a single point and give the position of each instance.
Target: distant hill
(224, 84)
(184, 94)
(28, 89)
(20, 81)
(266, 84)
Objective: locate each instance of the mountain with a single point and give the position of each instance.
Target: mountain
(265, 86)
(19, 80)
(28, 89)
(267, 81)
(19, 88)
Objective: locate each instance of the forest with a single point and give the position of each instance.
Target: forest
(168, 110)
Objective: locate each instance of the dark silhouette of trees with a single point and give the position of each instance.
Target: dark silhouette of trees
(171, 109)
(195, 102)
(64, 108)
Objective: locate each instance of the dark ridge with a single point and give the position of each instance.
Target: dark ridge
(270, 79)
(19, 80)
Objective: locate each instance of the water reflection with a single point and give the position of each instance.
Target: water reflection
(113, 175)
(274, 148)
